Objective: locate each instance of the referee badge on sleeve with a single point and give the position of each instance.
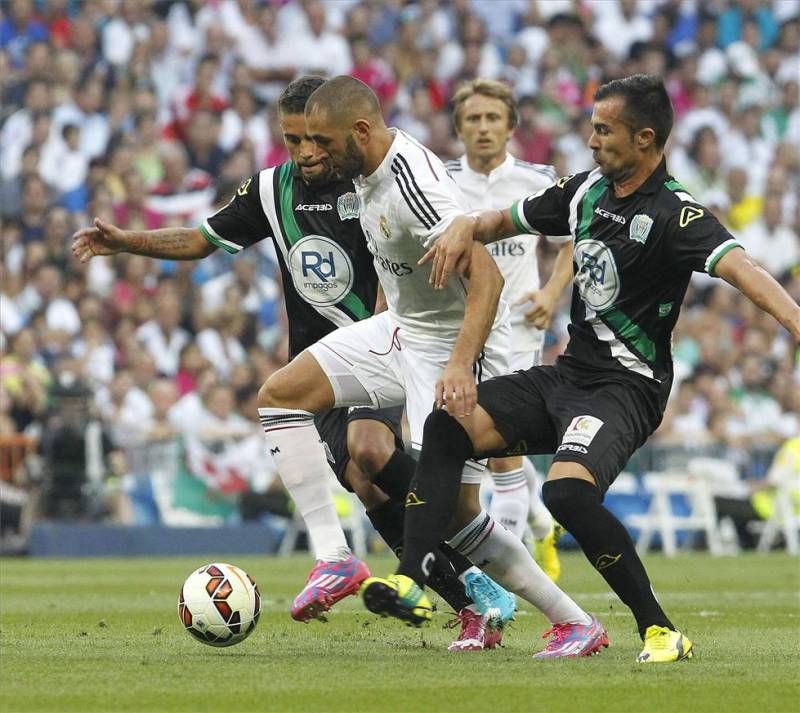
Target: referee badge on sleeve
(640, 228)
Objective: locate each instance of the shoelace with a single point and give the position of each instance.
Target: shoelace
(454, 620)
(558, 632)
(465, 621)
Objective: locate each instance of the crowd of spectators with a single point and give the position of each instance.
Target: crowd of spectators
(147, 114)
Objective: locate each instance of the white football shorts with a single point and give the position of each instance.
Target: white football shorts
(368, 364)
(524, 360)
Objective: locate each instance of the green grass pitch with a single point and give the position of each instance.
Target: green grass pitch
(103, 635)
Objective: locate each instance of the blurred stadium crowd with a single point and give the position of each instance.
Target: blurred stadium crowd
(148, 113)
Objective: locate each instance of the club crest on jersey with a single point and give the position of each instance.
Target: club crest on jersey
(384, 225)
(640, 228)
(348, 206)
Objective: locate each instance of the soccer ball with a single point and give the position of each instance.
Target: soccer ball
(219, 604)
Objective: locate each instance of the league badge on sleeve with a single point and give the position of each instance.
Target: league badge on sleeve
(688, 214)
(640, 228)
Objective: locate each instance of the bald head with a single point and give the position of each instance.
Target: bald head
(343, 118)
(345, 100)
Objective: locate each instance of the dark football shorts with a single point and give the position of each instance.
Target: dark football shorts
(540, 411)
(332, 427)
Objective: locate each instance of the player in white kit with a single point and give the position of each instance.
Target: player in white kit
(384, 362)
(485, 116)
(431, 346)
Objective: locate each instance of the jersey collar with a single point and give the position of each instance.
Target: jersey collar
(504, 169)
(655, 180)
(384, 169)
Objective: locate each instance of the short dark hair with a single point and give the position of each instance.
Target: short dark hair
(68, 129)
(647, 104)
(208, 57)
(293, 99)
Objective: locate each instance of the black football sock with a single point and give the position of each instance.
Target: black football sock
(431, 501)
(388, 521)
(395, 477)
(445, 582)
(576, 504)
(460, 563)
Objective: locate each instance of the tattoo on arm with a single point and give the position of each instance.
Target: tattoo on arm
(171, 244)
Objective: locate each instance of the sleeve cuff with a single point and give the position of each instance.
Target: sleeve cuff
(211, 235)
(518, 218)
(718, 253)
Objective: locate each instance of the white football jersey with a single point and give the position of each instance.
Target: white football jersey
(405, 204)
(516, 256)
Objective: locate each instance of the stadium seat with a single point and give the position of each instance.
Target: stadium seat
(697, 490)
(783, 521)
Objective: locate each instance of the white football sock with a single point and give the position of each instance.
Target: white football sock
(298, 451)
(506, 559)
(539, 518)
(511, 500)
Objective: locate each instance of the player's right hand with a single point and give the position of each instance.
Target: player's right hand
(452, 251)
(540, 315)
(456, 391)
(101, 239)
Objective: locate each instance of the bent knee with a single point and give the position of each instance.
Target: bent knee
(357, 482)
(438, 421)
(275, 392)
(370, 457)
(553, 498)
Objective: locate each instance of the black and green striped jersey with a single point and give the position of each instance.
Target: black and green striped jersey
(329, 280)
(633, 259)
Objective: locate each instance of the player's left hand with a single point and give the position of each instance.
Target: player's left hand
(452, 251)
(456, 390)
(544, 306)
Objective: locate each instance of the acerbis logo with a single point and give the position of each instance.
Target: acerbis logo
(413, 499)
(321, 270)
(313, 206)
(604, 561)
(688, 214)
(611, 216)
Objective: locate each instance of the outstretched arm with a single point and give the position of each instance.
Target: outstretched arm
(453, 249)
(168, 243)
(761, 288)
(456, 387)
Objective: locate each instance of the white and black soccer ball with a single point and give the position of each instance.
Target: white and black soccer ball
(219, 604)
